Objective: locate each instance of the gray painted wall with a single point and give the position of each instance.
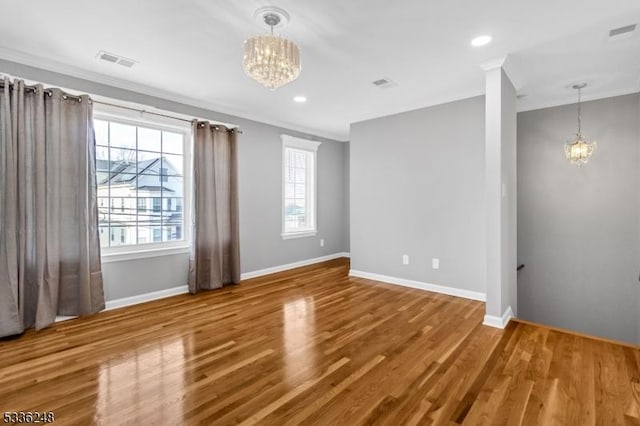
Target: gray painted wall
(134, 277)
(260, 175)
(578, 228)
(417, 188)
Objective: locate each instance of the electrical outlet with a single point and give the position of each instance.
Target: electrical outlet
(321, 242)
(405, 259)
(435, 263)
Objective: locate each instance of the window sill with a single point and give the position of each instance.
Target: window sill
(143, 254)
(292, 235)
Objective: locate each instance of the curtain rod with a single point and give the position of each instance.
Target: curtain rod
(49, 92)
(233, 129)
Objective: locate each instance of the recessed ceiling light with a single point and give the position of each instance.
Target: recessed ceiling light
(481, 40)
(300, 99)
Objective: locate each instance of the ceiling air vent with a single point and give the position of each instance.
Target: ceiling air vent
(106, 57)
(384, 83)
(622, 32)
(126, 62)
(116, 59)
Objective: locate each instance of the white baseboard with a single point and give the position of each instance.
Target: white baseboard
(274, 269)
(499, 322)
(161, 294)
(146, 297)
(451, 291)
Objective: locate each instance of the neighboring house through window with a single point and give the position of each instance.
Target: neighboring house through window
(141, 165)
(299, 159)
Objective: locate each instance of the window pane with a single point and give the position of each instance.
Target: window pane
(301, 190)
(300, 159)
(104, 236)
(103, 208)
(103, 191)
(122, 210)
(102, 178)
(150, 216)
(172, 142)
(172, 232)
(130, 207)
(102, 132)
(144, 206)
(151, 185)
(179, 204)
(122, 158)
(149, 162)
(149, 234)
(122, 185)
(102, 157)
(122, 135)
(123, 235)
(289, 190)
(173, 165)
(149, 139)
(173, 186)
(294, 209)
(300, 175)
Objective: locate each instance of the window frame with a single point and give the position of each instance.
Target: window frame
(311, 204)
(153, 249)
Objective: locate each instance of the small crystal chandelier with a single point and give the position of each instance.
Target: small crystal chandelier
(579, 151)
(271, 60)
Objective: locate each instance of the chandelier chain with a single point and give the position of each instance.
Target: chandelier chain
(579, 112)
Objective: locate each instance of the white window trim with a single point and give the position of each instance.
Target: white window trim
(144, 251)
(147, 250)
(312, 205)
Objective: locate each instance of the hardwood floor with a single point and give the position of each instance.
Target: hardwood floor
(313, 346)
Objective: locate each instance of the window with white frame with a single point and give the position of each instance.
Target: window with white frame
(299, 159)
(142, 189)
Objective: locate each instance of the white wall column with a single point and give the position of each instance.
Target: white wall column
(501, 195)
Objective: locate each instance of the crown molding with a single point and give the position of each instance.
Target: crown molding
(510, 68)
(570, 99)
(494, 63)
(414, 106)
(45, 64)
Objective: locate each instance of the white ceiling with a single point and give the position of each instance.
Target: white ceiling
(191, 51)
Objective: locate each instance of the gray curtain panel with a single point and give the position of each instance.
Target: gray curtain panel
(215, 256)
(49, 247)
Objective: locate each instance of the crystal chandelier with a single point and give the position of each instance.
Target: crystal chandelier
(271, 60)
(579, 151)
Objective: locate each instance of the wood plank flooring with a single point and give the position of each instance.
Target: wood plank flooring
(313, 346)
